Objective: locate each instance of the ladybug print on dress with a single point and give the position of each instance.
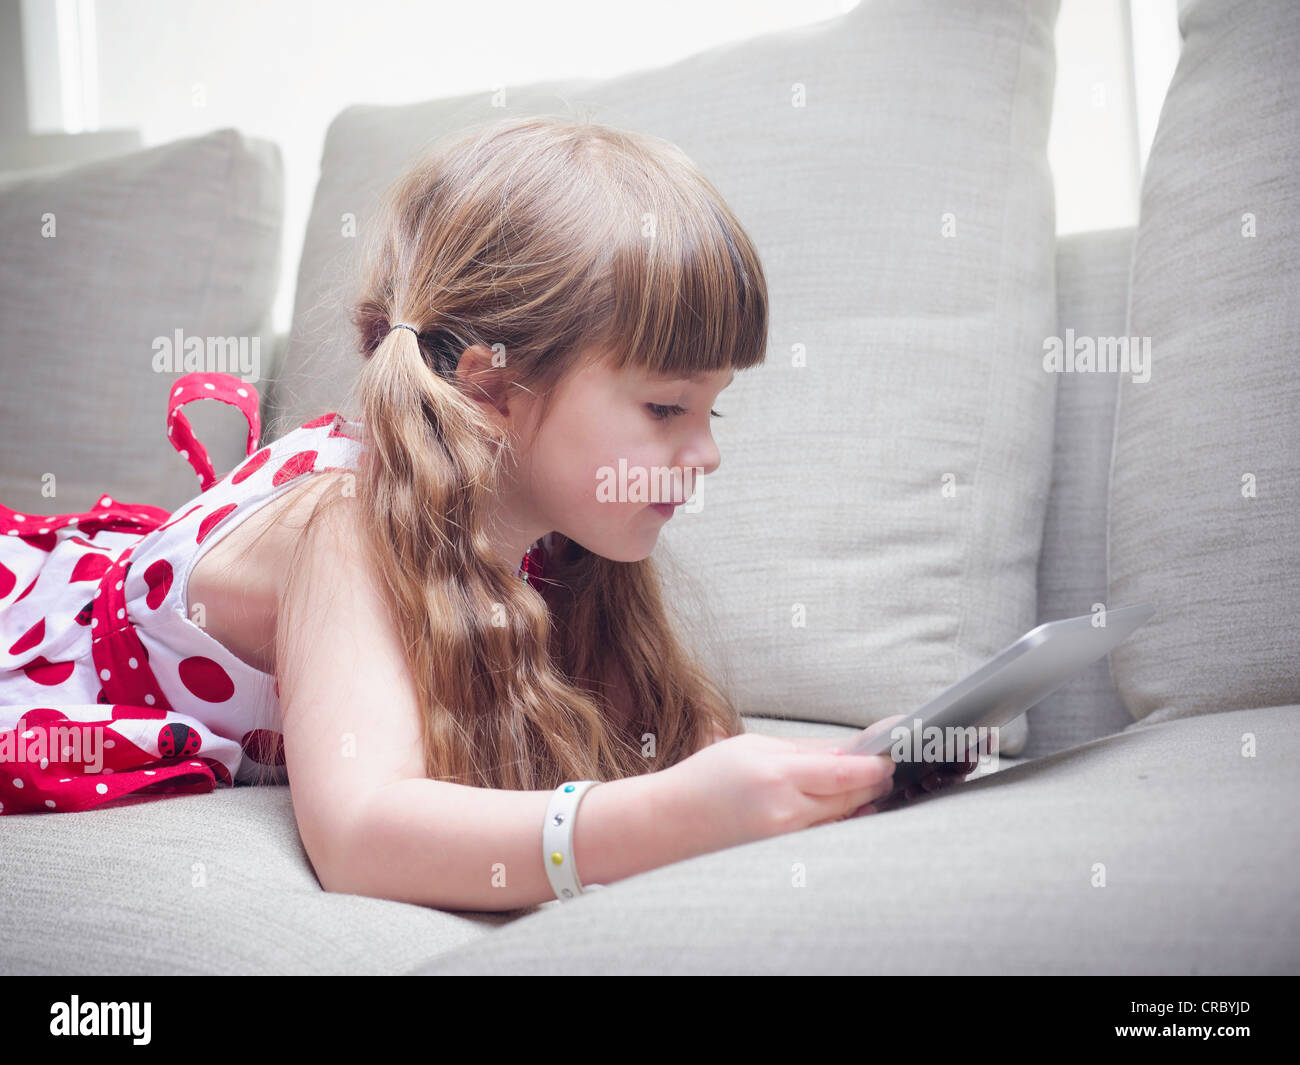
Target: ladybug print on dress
(178, 739)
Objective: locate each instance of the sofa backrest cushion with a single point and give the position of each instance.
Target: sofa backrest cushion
(1204, 497)
(873, 531)
(117, 277)
(1092, 274)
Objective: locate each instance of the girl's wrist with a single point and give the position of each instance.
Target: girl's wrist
(629, 826)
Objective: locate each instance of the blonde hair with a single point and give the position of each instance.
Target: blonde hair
(554, 238)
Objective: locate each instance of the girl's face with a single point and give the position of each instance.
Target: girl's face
(613, 444)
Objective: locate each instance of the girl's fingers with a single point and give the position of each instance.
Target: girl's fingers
(825, 775)
(839, 743)
(816, 743)
(884, 724)
(845, 784)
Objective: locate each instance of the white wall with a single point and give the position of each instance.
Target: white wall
(1114, 59)
(281, 69)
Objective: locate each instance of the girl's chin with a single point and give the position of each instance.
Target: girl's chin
(634, 542)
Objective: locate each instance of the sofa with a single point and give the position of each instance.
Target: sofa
(891, 165)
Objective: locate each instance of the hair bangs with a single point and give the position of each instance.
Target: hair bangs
(688, 294)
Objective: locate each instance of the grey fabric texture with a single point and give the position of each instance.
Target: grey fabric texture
(1204, 497)
(1092, 273)
(197, 884)
(1151, 851)
(180, 237)
(873, 532)
(217, 884)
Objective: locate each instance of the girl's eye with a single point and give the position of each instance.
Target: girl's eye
(663, 413)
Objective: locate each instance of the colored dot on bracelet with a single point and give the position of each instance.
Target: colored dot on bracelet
(557, 858)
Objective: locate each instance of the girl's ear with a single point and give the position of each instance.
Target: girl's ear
(483, 381)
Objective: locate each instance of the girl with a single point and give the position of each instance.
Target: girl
(542, 301)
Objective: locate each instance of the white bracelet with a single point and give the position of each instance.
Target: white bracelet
(557, 839)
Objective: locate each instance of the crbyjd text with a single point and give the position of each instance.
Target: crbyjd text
(1190, 1007)
(239, 356)
(102, 1018)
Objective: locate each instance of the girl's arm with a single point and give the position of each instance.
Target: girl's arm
(455, 847)
(717, 735)
(371, 822)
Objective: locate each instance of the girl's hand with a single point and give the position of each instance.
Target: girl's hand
(930, 777)
(753, 786)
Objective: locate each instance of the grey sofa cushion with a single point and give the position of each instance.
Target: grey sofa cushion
(1204, 498)
(1092, 272)
(891, 165)
(197, 884)
(1150, 851)
(180, 237)
(217, 883)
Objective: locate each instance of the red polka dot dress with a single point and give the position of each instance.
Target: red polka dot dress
(108, 689)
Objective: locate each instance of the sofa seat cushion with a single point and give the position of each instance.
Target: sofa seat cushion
(126, 886)
(197, 884)
(1167, 849)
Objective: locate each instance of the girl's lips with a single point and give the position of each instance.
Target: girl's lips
(666, 509)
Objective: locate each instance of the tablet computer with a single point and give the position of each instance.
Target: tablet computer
(1010, 683)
